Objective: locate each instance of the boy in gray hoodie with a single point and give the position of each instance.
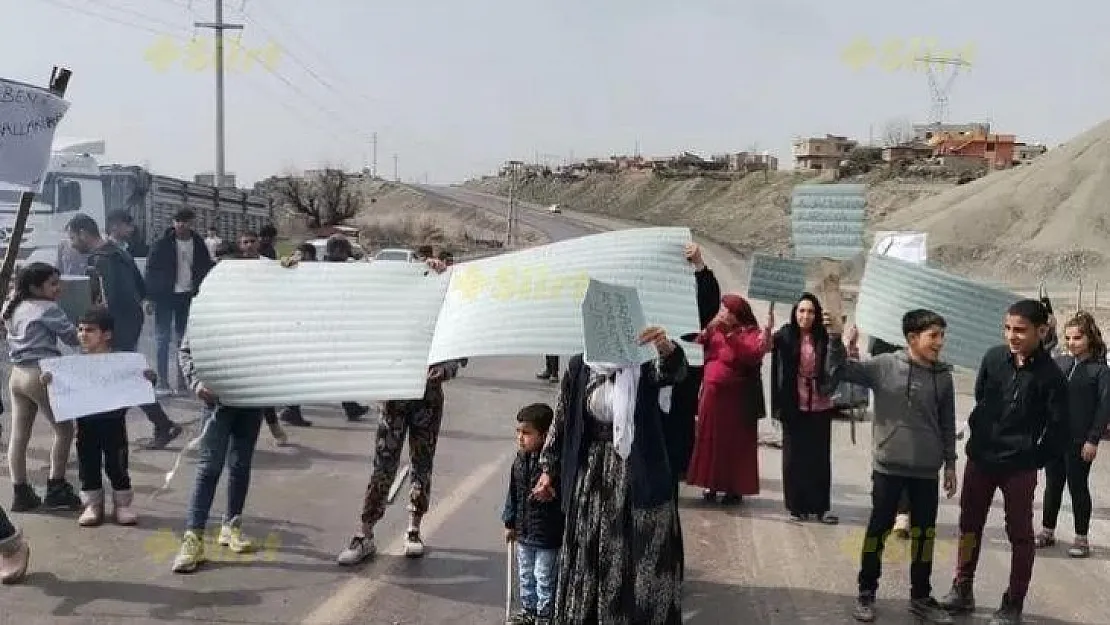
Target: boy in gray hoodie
(914, 434)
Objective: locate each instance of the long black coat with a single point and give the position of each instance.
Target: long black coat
(678, 426)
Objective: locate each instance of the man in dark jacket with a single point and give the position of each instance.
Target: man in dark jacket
(1019, 423)
(266, 238)
(121, 290)
(178, 263)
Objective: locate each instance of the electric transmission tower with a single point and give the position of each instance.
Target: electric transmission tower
(942, 72)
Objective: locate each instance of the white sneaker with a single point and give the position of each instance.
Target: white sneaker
(232, 537)
(414, 546)
(359, 549)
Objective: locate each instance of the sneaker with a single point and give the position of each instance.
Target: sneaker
(929, 610)
(163, 437)
(1080, 548)
(291, 415)
(15, 557)
(864, 611)
(1044, 539)
(278, 433)
(357, 412)
(524, 617)
(191, 554)
(960, 599)
(24, 498)
(1009, 613)
(232, 537)
(414, 545)
(358, 550)
(543, 375)
(122, 511)
(60, 495)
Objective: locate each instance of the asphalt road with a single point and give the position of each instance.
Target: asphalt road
(746, 565)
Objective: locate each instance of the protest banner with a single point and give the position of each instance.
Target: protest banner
(84, 384)
(827, 220)
(612, 319)
(908, 246)
(974, 311)
(776, 280)
(529, 302)
(367, 331)
(28, 118)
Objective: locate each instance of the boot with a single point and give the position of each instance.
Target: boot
(24, 498)
(93, 514)
(960, 599)
(121, 507)
(1009, 613)
(15, 555)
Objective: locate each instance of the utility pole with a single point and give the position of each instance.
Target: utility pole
(219, 26)
(396, 178)
(374, 155)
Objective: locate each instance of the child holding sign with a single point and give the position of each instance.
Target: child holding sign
(102, 437)
(35, 323)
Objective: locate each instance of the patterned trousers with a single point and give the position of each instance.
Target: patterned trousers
(419, 420)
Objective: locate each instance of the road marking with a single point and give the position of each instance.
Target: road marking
(347, 603)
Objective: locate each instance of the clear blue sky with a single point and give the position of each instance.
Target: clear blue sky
(455, 88)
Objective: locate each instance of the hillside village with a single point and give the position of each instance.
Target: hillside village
(965, 151)
(994, 207)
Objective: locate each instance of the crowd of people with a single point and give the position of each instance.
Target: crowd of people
(597, 476)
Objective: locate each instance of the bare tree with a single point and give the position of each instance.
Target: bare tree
(326, 199)
(897, 131)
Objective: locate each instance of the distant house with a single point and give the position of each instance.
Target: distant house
(923, 133)
(996, 150)
(819, 153)
(750, 161)
(911, 152)
(1027, 152)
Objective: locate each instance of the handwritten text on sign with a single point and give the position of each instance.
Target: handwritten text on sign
(87, 384)
(509, 282)
(612, 319)
(827, 220)
(28, 117)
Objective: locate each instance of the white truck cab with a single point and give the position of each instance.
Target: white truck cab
(72, 185)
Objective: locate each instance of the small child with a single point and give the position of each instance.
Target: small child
(35, 323)
(102, 437)
(536, 527)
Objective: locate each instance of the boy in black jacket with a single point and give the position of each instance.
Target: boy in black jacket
(536, 527)
(1019, 423)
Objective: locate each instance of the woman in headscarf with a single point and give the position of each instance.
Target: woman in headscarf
(726, 449)
(801, 398)
(606, 454)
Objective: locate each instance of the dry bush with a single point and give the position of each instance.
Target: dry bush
(411, 231)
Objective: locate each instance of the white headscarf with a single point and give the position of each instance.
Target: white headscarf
(621, 399)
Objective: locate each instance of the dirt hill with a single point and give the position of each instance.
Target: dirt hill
(749, 214)
(1046, 220)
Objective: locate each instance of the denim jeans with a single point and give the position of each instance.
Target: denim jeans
(171, 313)
(537, 574)
(229, 437)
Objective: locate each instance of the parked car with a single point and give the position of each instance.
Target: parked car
(321, 246)
(555, 209)
(395, 255)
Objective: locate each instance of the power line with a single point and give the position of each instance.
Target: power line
(106, 18)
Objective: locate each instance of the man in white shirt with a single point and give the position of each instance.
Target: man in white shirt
(177, 264)
(213, 241)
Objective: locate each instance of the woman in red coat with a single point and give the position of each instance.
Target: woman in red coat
(726, 456)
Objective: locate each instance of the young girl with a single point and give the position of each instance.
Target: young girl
(1089, 401)
(102, 437)
(35, 322)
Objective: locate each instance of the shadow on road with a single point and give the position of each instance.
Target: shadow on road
(169, 603)
(707, 603)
